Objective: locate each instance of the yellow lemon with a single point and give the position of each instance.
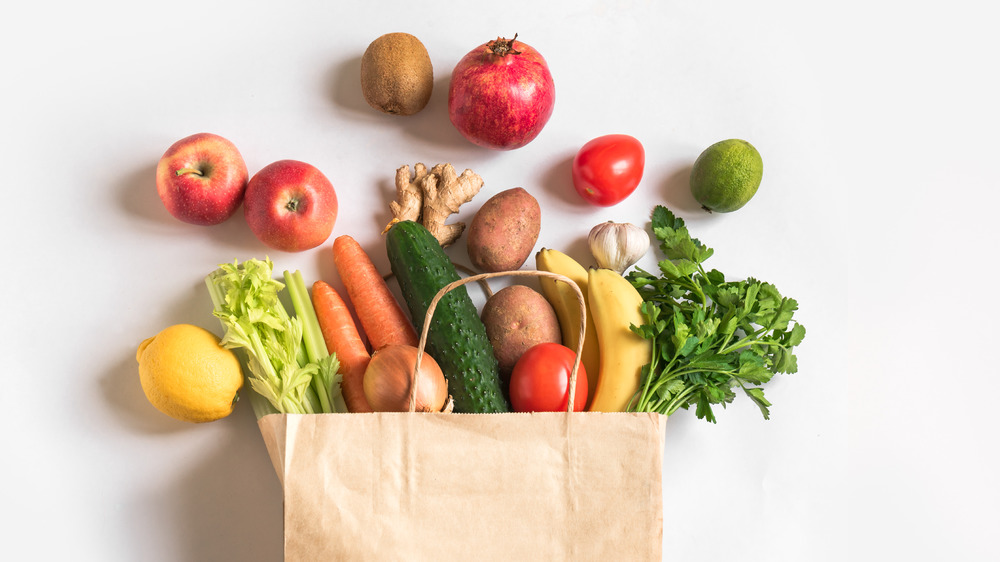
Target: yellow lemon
(187, 375)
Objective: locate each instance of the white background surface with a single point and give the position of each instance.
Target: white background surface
(876, 126)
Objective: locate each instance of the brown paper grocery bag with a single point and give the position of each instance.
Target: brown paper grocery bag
(426, 486)
(410, 486)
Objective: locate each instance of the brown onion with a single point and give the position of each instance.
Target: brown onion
(388, 376)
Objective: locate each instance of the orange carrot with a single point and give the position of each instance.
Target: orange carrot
(381, 316)
(343, 339)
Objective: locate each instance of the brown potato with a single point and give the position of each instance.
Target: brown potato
(504, 231)
(516, 318)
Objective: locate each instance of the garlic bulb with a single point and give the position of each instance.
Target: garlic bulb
(617, 246)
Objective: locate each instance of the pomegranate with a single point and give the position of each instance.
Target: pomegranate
(501, 94)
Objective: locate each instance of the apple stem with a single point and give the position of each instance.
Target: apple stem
(183, 171)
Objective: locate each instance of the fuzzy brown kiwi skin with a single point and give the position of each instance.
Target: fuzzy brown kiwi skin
(396, 74)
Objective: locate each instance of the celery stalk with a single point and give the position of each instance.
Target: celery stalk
(312, 335)
(327, 383)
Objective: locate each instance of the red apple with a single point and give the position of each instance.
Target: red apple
(290, 206)
(201, 179)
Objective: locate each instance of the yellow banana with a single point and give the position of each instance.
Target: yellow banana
(563, 300)
(615, 303)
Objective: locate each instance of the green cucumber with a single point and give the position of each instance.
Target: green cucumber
(457, 338)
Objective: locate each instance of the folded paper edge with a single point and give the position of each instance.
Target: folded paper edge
(273, 428)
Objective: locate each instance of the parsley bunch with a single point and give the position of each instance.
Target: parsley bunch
(709, 336)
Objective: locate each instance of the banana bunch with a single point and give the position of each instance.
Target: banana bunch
(613, 355)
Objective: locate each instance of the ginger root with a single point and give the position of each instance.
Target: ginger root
(409, 196)
(431, 196)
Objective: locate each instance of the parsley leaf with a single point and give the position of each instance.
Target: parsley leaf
(710, 336)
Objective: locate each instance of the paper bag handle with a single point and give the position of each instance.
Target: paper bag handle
(480, 277)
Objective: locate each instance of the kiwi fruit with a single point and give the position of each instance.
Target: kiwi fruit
(396, 74)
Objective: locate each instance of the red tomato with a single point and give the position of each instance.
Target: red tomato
(608, 169)
(540, 380)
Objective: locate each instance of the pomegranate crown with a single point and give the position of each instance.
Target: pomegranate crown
(501, 47)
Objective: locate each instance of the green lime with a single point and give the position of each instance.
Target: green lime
(726, 175)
